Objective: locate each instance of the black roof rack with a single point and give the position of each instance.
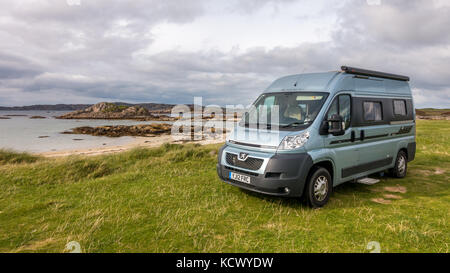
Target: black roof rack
(365, 72)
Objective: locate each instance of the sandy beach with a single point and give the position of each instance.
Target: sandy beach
(139, 142)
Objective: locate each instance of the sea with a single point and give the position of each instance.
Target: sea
(20, 133)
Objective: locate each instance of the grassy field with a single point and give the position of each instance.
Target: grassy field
(170, 200)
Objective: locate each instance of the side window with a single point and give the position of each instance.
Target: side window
(399, 107)
(333, 109)
(269, 101)
(341, 106)
(372, 111)
(345, 109)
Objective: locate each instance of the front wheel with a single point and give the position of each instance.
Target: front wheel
(319, 188)
(401, 165)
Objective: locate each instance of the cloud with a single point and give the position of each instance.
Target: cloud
(99, 49)
(398, 23)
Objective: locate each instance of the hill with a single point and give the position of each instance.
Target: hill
(152, 107)
(432, 113)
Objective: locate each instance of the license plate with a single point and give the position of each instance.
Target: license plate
(239, 177)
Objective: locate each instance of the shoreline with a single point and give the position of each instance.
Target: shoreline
(139, 142)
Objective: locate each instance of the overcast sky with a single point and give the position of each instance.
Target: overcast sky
(87, 51)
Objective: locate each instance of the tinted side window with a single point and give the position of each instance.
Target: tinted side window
(345, 109)
(400, 107)
(372, 111)
(333, 109)
(341, 106)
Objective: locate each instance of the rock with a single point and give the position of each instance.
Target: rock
(381, 201)
(123, 130)
(4, 118)
(37, 117)
(145, 130)
(396, 189)
(43, 136)
(105, 110)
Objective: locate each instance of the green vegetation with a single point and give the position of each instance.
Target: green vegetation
(10, 157)
(433, 112)
(111, 107)
(169, 199)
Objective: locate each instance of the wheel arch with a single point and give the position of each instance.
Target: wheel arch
(405, 150)
(328, 164)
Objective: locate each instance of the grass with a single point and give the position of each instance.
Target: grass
(10, 157)
(169, 199)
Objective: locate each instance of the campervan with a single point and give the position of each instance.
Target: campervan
(307, 133)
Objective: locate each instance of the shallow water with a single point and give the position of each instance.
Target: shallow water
(21, 133)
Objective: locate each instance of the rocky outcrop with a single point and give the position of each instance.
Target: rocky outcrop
(105, 110)
(123, 130)
(144, 130)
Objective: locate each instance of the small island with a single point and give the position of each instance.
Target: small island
(123, 130)
(107, 110)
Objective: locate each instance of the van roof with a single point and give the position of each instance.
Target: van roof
(339, 80)
(303, 82)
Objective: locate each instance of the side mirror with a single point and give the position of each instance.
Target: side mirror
(336, 125)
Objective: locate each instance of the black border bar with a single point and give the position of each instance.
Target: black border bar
(226, 262)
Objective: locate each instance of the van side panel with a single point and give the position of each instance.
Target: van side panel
(376, 142)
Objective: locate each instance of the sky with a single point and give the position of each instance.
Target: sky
(227, 52)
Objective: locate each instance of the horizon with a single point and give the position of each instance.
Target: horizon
(422, 108)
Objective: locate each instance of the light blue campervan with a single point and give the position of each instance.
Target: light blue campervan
(319, 130)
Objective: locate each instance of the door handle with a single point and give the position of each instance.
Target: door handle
(361, 136)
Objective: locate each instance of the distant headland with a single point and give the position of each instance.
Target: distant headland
(162, 108)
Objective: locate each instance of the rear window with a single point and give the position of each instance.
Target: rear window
(399, 107)
(372, 111)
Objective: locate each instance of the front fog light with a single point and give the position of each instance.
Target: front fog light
(294, 142)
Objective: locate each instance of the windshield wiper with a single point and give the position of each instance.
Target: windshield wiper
(293, 124)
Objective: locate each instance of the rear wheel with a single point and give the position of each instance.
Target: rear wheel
(319, 188)
(401, 165)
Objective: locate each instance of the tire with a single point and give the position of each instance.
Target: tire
(401, 165)
(318, 188)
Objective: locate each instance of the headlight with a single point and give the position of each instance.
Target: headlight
(294, 142)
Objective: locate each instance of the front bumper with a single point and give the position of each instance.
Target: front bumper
(280, 172)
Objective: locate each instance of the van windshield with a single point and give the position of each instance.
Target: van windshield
(284, 110)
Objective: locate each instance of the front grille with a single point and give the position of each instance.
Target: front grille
(241, 171)
(250, 164)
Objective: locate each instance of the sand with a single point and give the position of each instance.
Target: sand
(147, 142)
